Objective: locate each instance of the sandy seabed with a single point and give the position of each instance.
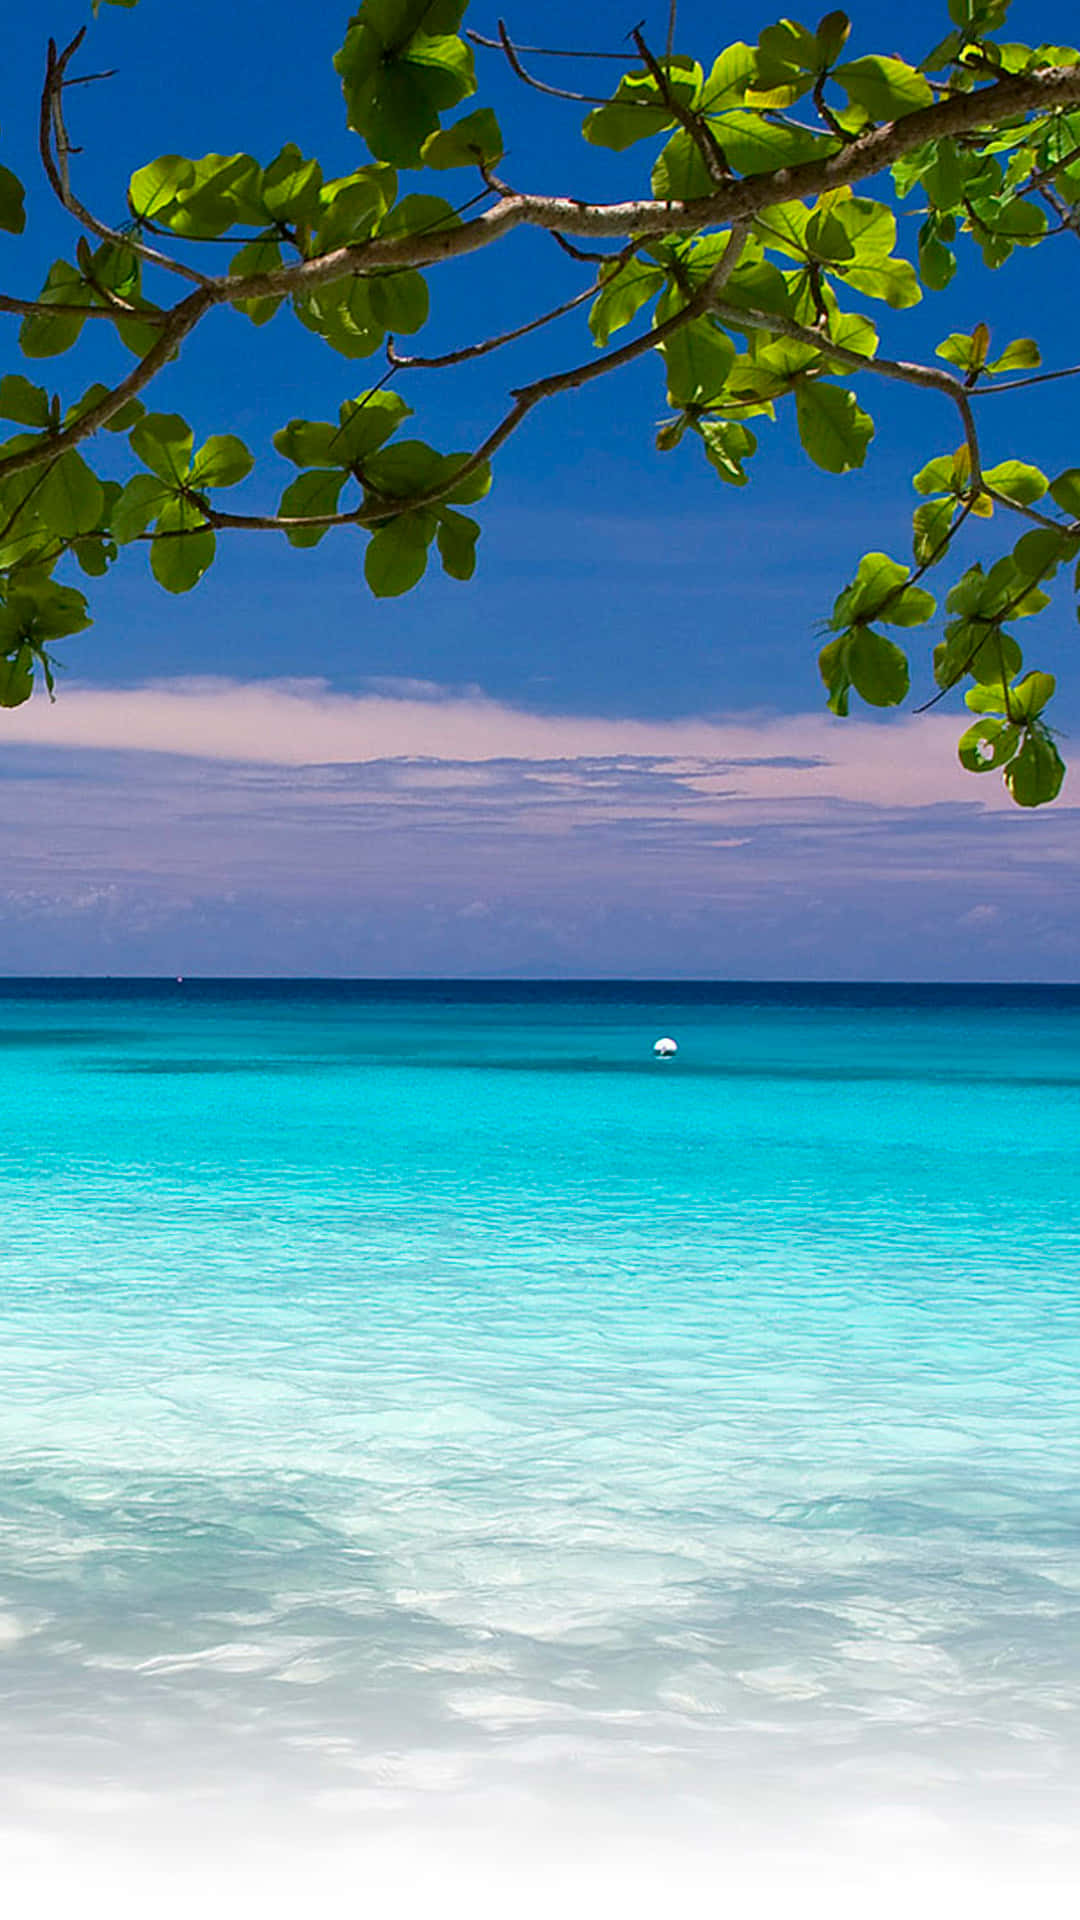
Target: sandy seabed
(125, 1862)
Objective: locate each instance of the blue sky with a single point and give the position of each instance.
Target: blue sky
(606, 754)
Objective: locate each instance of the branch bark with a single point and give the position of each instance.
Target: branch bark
(934, 379)
(177, 325)
(1045, 91)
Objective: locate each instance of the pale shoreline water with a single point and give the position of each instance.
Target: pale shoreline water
(440, 1444)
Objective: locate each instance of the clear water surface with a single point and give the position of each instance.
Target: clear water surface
(418, 1397)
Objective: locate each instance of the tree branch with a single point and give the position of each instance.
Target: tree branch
(462, 354)
(935, 379)
(53, 133)
(541, 86)
(374, 512)
(177, 325)
(1044, 91)
(50, 308)
(713, 157)
(1029, 380)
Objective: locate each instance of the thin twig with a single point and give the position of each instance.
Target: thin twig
(582, 253)
(551, 53)
(541, 86)
(375, 511)
(52, 132)
(909, 371)
(461, 354)
(1030, 380)
(177, 325)
(1045, 90)
(713, 157)
(50, 308)
(1029, 513)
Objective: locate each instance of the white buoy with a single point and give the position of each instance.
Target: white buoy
(664, 1049)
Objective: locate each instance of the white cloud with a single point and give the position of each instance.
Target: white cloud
(780, 763)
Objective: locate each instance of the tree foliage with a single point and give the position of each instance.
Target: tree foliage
(755, 259)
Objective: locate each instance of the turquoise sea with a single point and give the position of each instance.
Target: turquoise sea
(420, 1408)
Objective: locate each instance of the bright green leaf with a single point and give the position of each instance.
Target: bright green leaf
(397, 554)
(888, 89)
(475, 138)
(313, 493)
(221, 462)
(1035, 776)
(457, 536)
(20, 400)
(163, 442)
(833, 428)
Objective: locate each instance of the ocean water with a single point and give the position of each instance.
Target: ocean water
(424, 1413)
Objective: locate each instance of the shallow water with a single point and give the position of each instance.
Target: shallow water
(417, 1401)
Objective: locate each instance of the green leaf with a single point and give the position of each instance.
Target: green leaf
(894, 281)
(398, 75)
(12, 210)
(728, 443)
(16, 677)
(154, 188)
(788, 56)
(309, 443)
(832, 36)
(315, 492)
(888, 89)
(638, 110)
(69, 498)
(965, 350)
(1034, 777)
(1018, 356)
(20, 400)
(833, 428)
(457, 536)
(477, 137)
(1018, 482)
(397, 554)
(1065, 490)
(755, 145)
(351, 207)
(937, 263)
(140, 502)
(878, 668)
(698, 357)
(988, 745)
(290, 187)
(624, 292)
(41, 335)
(41, 612)
(341, 313)
(118, 422)
(751, 143)
(930, 526)
(94, 555)
(833, 666)
(408, 467)
(259, 256)
(732, 77)
(366, 424)
(476, 484)
(1030, 695)
(946, 473)
(224, 189)
(399, 301)
(221, 461)
(163, 442)
(879, 591)
(178, 563)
